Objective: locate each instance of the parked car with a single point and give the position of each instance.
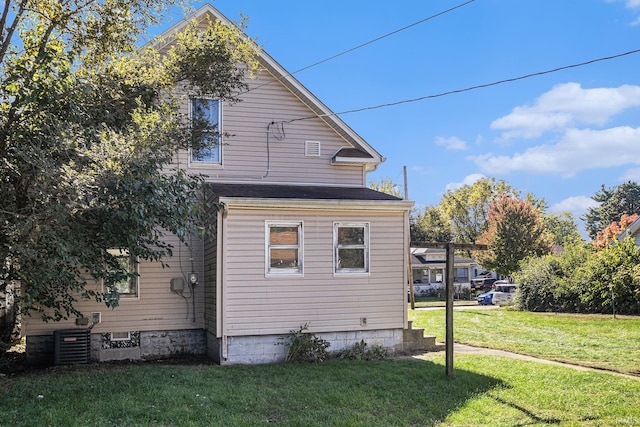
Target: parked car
(486, 298)
(503, 293)
(482, 283)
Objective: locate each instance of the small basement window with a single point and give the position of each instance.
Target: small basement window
(120, 336)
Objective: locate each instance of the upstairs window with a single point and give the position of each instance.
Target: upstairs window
(206, 127)
(127, 286)
(284, 248)
(351, 248)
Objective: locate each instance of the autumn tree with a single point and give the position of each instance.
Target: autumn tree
(613, 230)
(515, 231)
(467, 208)
(88, 131)
(612, 204)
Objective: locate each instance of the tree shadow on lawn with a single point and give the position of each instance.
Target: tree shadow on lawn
(390, 392)
(368, 393)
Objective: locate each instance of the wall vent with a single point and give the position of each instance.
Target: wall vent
(312, 148)
(71, 346)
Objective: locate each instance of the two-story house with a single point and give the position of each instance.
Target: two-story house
(301, 239)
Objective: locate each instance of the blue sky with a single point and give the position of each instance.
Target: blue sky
(559, 136)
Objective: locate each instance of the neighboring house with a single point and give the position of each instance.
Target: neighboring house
(301, 240)
(428, 266)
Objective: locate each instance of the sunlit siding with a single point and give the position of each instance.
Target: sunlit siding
(258, 305)
(157, 308)
(246, 155)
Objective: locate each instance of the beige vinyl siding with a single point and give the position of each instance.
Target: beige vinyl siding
(210, 276)
(156, 308)
(257, 305)
(244, 153)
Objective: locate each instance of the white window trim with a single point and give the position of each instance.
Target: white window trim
(367, 250)
(128, 337)
(210, 165)
(283, 272)
(136, 264)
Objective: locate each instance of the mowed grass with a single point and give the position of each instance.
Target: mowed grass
(590, 340)
(397, 392)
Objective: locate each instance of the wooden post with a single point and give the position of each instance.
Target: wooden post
(412, 298)
(450, 250)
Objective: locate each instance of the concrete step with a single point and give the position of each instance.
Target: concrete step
(415, 340)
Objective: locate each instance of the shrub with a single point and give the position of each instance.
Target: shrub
(359, 351)
(537, 280)
(610, 280)
(303, 346)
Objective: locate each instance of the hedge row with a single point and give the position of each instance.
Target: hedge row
(582, 280)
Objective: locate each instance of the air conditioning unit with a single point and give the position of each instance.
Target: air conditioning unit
(71, 346)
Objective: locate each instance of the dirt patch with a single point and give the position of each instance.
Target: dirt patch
(14, 362)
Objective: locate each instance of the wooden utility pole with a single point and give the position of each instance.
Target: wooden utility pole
(412, 298)
(449, 248)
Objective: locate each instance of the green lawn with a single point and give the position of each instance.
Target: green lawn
(589, 340)
(495, 391)
(398, 392)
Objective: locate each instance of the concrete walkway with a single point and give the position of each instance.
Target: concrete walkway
(467, 349)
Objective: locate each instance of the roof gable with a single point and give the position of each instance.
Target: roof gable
(369, 155)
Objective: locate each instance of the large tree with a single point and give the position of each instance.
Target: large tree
(613, 203)
(430, 225)
(467, 208)
(515, 231)
(562, 229)
(88, 131)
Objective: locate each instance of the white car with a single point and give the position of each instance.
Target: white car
(503, 293)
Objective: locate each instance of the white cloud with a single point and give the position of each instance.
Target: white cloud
(577, 150)
(468, 180)
(631, 175)
(565, 105)
(577, 205)
(631, 5)
(451, 143)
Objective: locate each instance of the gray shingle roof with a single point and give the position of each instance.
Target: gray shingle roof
(269, 191)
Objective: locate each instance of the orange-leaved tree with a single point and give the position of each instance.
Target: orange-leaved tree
(613, 230)
(515, 231)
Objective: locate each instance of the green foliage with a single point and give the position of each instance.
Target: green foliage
(303, 346)
(515, 231)
(430, 226)
(582, 280)
(613, 203)
(89, 129)
(468, 207)
(386, 185)
(562, 229)
(610, 280)
(360, 351)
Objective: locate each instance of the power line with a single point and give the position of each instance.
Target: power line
(363, 44)
(470, 88)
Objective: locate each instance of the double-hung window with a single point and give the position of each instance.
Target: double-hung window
(206, 128)
(283, 248)
(127, 285)
(350, 248)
